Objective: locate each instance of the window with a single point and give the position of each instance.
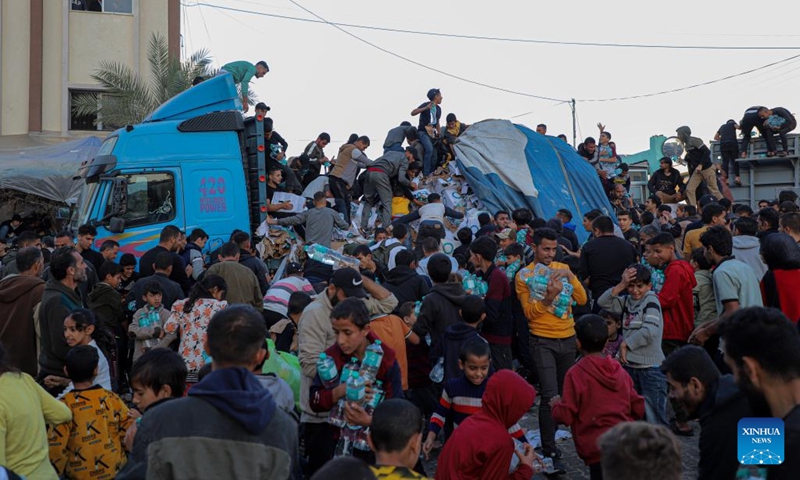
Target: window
(82, 122)
(107, 6)
(151, 199)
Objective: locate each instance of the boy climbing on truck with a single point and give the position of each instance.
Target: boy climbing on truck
(242, 71)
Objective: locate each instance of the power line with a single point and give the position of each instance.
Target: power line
(427, 67)
(503, 39)
(689, 87)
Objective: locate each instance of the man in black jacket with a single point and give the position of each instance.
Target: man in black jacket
(751, 120)
(167, 242)
(404, 281)
(785, 123)
(714, 399)
(667, 183)
(246, 258)
(698, 160)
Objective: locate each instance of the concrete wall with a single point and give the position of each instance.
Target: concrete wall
(74, 44)
(15, 45)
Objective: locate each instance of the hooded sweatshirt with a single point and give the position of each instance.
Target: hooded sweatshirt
(481, 447)
(439, 309)
(697, 153)
(498, 328)
(747, 249)
(57, 301)
(227, 427)
(406, 284)
(106, 303)
(449, 347)
(18, 297)
(598, 394)
(677, 302)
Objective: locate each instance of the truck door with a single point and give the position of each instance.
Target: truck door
(216, 199)
(154, 200)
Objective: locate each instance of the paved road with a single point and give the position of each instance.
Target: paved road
(577, 470)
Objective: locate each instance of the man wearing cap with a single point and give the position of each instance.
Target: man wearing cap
(276, 300)
(429, 115)
(665, 181)
(315, 335)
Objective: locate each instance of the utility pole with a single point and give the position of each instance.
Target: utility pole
(574, 132)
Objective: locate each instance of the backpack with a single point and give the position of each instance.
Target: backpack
(382, 254)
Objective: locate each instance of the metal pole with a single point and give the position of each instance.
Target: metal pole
(574, 131)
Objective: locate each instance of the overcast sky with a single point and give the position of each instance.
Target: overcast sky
(321, 79)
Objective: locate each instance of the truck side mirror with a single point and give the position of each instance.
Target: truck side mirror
(119, 195)
(116, 225)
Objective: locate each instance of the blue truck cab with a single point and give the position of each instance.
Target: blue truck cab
(194, 162)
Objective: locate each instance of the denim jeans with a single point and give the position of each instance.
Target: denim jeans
(552, 357)
(652, 385)
(427, 144)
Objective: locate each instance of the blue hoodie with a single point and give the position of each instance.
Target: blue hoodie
(237, 393)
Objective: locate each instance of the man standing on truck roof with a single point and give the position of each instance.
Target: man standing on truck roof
(242, 72)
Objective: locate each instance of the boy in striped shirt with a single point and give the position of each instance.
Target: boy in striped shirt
(462, 395)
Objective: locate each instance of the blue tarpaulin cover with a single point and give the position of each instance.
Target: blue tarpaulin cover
(510, 166)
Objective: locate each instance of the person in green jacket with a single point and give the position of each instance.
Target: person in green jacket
(242, 71)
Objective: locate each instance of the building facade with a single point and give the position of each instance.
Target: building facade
(50, 48)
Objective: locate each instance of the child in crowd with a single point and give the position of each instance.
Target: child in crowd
(473, 312)
(640, 351)
(481, 447)
(396, 438)
(513, 253)
(462, 395)
(284, 333)
(401, 205)
(614, 324)
(394, 333)
(104, 300)
(597, 395)
(90, 446)
(705, 303)
(157, 375)
(82, 328)
(351, 327)
(189, 318)
(148, 333)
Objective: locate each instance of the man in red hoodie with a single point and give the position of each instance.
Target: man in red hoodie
(598, 394)
(481, 447)
(677, 307)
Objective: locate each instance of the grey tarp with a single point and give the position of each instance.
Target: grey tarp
(47, 171)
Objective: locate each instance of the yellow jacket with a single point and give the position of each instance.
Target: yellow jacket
(24, 409)
(90, 447)
(541, 321)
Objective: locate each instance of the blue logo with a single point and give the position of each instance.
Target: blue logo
(760, 441)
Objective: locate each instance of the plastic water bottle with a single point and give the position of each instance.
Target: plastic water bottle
(378, 394)
(344, 447)
(372, 362)
(150, 319)
(511, 270)
(563, 301)
(331, 257)
(437, 372)
(326, 368)
(537, 281)
(657, 279)
(468, 283)
(348, 369)
(356, 390)
(336, 415)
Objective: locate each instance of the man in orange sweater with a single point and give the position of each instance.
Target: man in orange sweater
(552, 342)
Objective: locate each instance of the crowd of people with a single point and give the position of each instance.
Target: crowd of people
(164, 366)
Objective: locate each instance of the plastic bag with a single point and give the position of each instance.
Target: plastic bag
(286, 366)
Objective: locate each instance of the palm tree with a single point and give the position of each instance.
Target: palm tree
(127, 98)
